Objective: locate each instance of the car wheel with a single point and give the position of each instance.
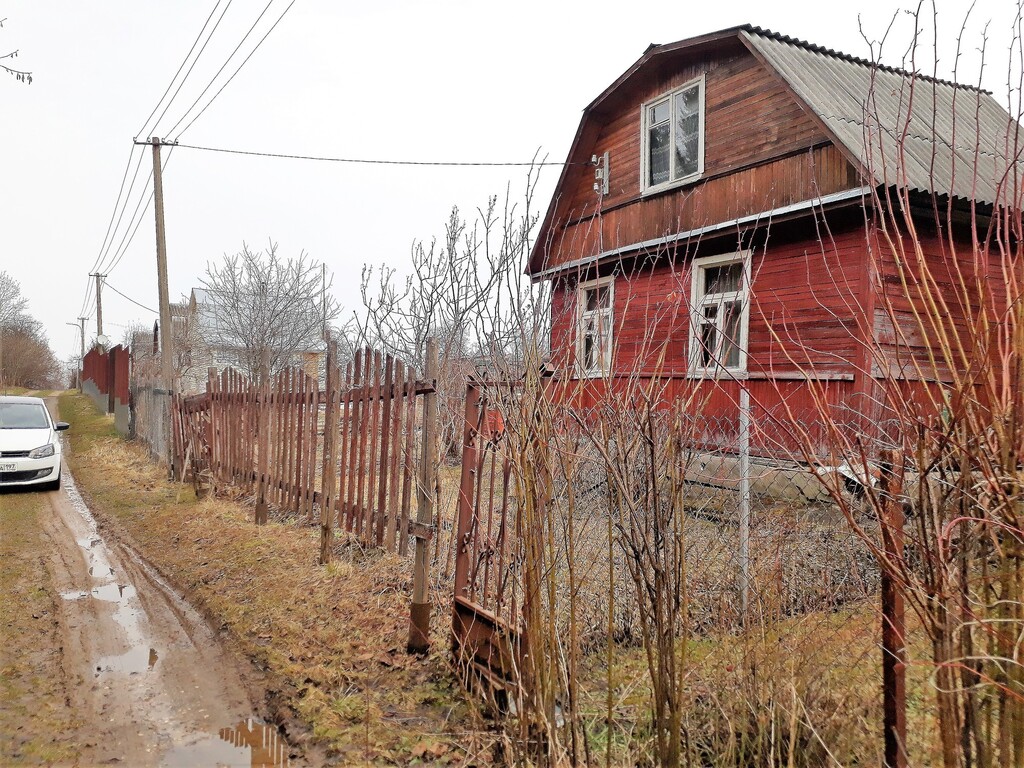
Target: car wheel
(54, 485)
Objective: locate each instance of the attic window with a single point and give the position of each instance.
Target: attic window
(673, 137)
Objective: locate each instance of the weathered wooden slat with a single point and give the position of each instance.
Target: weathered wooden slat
(299, 465)
(313, 408)
(397, 411)
(364, 435)
(385, 457)
(342, 469)
(351, 468)
(278, 438)
(329, 473)
(369, 526)
(408, 465)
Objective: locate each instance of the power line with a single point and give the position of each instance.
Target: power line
(124, 249)
(118, 204)
(124, 208)
(185, 61)
(129, 298)
(364, 161)
(226, 62)
(132, 223)
(113, 215)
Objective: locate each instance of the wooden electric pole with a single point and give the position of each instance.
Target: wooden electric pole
(99, 303)
(166, 361)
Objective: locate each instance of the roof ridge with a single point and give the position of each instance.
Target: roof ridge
(814, 47)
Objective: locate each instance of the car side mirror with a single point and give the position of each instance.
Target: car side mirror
(60, 426)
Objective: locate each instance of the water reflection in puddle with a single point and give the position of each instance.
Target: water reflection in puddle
(249, 744)
(133, 662)
(110, 593)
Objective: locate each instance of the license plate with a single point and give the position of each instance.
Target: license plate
(7, 467)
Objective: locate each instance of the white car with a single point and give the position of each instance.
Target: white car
(29, 444)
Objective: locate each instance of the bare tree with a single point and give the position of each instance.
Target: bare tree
(468, 292)
(20, 75)
(25, 355)
(12, 312)
(12, 302)
(264, 308)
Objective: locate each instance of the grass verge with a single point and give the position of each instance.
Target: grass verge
(330, 641)
(37, 725)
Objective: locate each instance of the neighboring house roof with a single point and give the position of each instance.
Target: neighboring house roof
(898, 128)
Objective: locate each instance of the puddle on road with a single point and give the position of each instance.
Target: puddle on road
(249, 744)
(139, 657)
(133, 662)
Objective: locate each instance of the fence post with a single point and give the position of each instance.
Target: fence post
(262, 405)
(464, 525)
(419, 620)
(330, 473)
(744, 468)
(894, 652)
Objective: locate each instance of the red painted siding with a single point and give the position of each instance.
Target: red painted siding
(761, 152)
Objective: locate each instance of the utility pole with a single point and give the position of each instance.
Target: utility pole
(166, 359)
(161, 271)
(99, 302)
(80, 327)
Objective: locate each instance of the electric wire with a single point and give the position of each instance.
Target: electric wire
(113, 215)
(129, 298)
(366, 161)
(103, 266)
(224, 65)
(144, 210)
(111, 232)
(142, 131)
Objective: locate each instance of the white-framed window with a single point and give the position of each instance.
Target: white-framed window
(672, 137)
(720, 312)
(595, 300)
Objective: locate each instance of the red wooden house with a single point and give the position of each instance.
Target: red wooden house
(718, 221)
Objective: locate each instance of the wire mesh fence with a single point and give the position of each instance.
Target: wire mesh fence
(650, 591)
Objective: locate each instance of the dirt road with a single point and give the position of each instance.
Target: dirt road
(145, 673)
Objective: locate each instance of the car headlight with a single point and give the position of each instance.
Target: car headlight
(41, 452)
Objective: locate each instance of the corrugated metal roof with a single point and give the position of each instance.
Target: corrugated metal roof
(905, 130)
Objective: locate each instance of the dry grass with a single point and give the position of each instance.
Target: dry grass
(331, 641)
(37, 726)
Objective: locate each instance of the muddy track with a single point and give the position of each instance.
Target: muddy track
(146, 674)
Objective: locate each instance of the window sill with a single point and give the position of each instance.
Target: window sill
(590, 375)
(669, 186)
(719, 373)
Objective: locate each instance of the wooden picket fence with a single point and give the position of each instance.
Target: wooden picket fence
(358, 447)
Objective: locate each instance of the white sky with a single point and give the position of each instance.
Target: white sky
(450, 81)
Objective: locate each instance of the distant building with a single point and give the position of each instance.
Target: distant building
(205, 343)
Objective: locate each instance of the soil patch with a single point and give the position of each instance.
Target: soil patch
(37, 721)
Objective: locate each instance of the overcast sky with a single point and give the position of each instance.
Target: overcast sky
(421, 81)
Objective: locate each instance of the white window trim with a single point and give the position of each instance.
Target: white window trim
(697, 301)
(581, 313)
(646, 189)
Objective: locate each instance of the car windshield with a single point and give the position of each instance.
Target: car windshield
(23, 416)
